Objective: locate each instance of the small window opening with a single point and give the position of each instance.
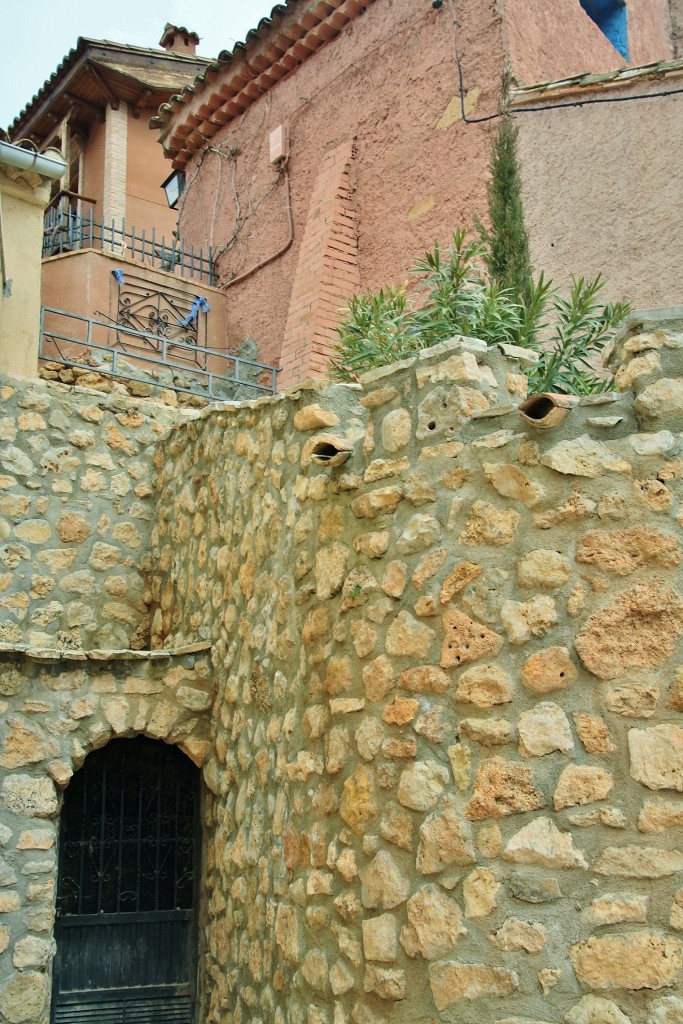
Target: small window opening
(611, 18)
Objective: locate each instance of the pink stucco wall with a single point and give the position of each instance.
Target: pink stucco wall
(146, 168)
(649, 31)
(386, 84)
(550, 41)
(93, 168)
(603, 193)
(383, 84)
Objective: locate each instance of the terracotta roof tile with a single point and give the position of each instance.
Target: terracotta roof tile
(295, 30)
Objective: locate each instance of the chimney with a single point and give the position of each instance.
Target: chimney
(179, 40)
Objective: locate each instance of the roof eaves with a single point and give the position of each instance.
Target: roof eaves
(83, 43)
(67, 61)
(254, 74)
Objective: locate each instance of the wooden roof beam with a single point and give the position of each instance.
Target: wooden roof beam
(140, 102)
(112, 99)
(77, 101)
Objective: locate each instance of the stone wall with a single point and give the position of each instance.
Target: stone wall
(447, 730)
(435, 690)
(76, 511)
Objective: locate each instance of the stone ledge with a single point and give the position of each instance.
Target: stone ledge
(99, 655)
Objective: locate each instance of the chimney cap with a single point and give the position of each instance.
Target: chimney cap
(187, 40)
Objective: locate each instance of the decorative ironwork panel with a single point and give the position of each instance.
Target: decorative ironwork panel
(163, 313)
(127, 831)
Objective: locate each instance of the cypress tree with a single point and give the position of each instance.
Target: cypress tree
(509, 263)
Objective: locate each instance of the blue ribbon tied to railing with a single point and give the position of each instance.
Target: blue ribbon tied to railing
(200, 305)
(118, 274)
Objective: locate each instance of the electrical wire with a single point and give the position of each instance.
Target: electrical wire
(461, 83)
(597, 99)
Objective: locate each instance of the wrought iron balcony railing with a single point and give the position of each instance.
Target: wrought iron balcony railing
(64, 230)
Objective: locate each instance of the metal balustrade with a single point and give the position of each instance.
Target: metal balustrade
(120, 352)
(64, 230)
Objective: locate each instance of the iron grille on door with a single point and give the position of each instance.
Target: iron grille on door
(128, 849)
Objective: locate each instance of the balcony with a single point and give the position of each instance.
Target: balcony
(124, 310)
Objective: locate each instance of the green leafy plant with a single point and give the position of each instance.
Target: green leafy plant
(581, 328)
(481, 285)
(374, 332)
(458, 295)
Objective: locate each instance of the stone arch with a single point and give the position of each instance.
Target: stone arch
(57, 710)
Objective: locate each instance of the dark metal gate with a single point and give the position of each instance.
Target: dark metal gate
(128, 858)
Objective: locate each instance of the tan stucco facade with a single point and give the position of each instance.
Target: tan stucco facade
(603, 192)
(82, 283)
(146, 168)
(123, 168)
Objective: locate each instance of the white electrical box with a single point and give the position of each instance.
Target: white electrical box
(279, 144)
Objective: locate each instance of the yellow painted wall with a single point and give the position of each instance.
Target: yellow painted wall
(22, 229)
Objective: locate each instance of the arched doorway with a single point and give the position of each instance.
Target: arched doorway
(126, 891)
